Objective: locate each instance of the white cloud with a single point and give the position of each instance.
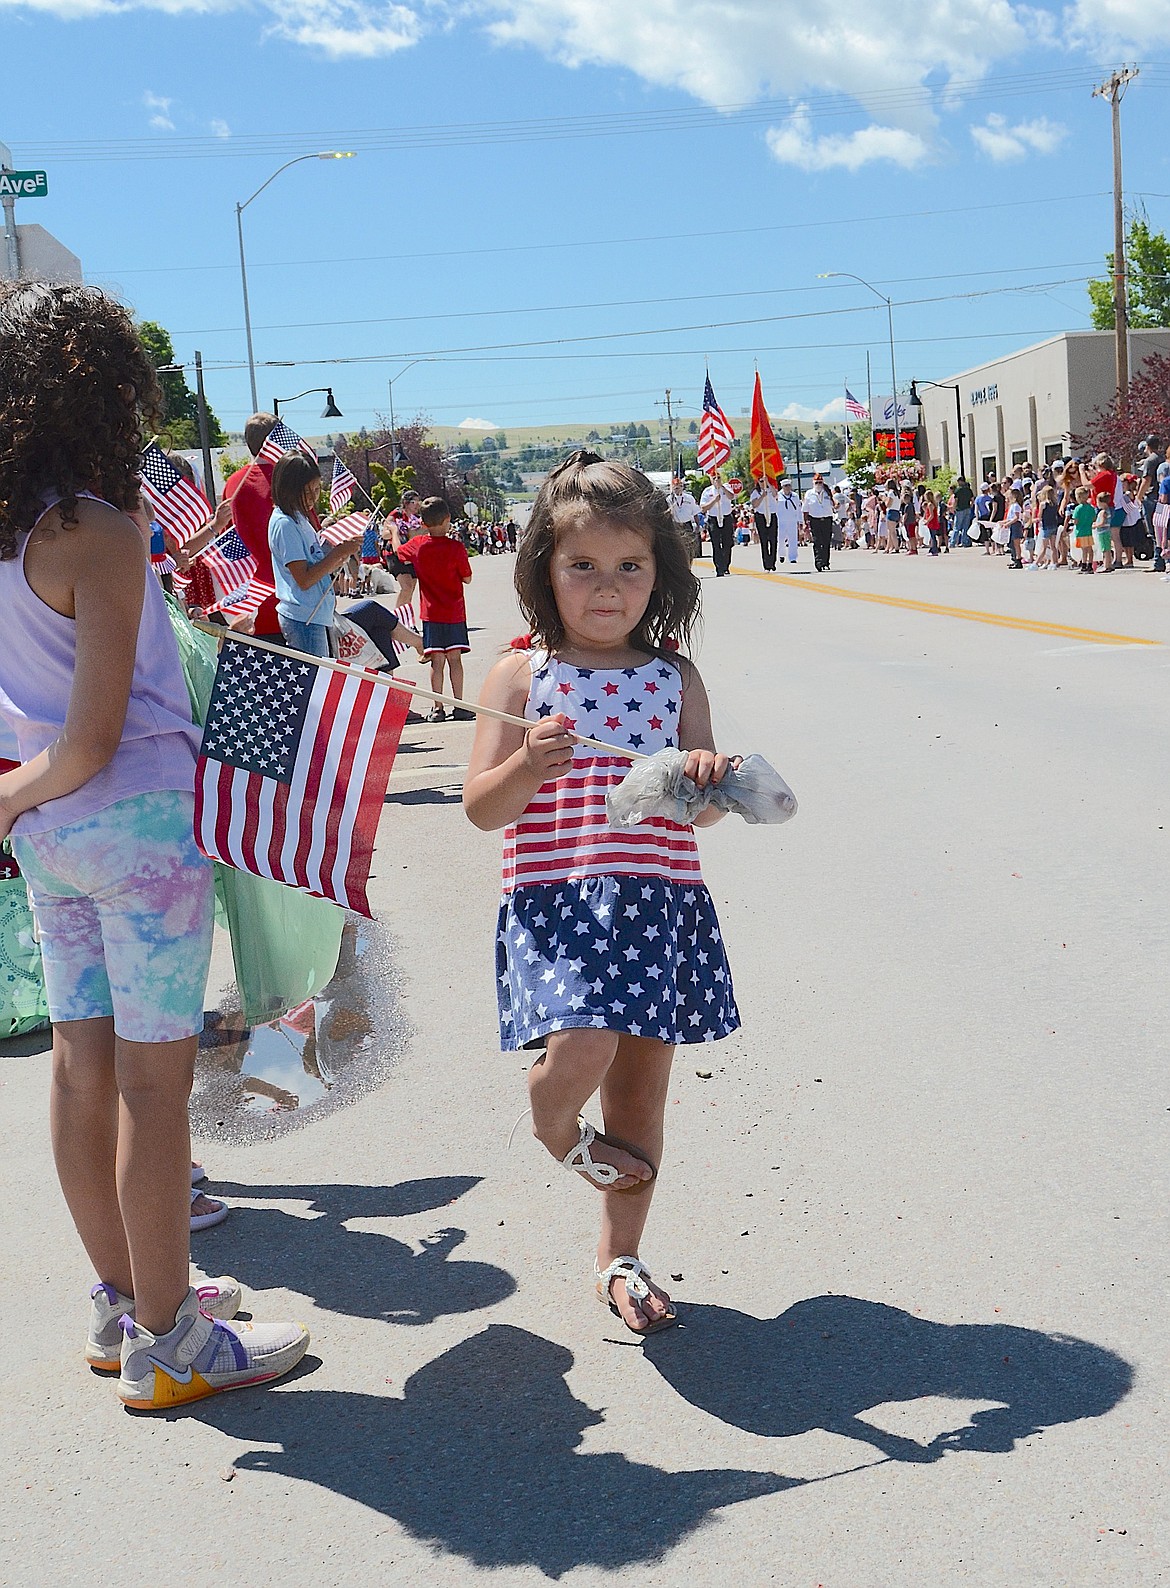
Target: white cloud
(999, 141)
(1109, 27)
(348, 29)
(833, 413)
(476, 424)
(162, 111)
(731, 51)
(220, 128)
(795, 144)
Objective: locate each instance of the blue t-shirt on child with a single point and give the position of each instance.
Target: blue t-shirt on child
(293, 539)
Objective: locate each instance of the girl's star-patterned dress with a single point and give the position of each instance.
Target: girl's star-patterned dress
(599, 926)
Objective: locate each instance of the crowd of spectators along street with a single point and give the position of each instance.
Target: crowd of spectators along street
(1076, 512)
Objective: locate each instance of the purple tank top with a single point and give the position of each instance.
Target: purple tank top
(159, 741)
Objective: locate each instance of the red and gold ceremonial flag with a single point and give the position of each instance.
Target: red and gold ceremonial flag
(766, 462)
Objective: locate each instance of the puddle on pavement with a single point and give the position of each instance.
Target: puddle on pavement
(256, 1082)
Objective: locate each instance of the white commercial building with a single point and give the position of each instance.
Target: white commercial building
(1025, 407)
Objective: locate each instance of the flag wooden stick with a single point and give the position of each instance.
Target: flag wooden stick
(391, 682)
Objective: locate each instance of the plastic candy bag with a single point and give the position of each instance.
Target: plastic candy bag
(657, 786)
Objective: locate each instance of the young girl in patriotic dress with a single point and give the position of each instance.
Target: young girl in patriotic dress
(608, 950)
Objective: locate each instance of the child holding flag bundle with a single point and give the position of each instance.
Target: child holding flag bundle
(596, 961)
(101, 816)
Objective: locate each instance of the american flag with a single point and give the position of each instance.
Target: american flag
(282, 439)
(175, 503)
(230, 563)
(853, 408)
(293, 770)
(715, 433)
(247, 602)
(404, 615)
(342, 486)
(344, 528)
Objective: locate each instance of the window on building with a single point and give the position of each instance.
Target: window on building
(988, 468)
(1053, 451)
(1019, 457)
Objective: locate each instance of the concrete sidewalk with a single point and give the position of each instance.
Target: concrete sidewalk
(917, 1208)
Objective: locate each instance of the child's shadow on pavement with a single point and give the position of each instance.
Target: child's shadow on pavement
(826, 1361)
(359, 1272)
(481, 1458)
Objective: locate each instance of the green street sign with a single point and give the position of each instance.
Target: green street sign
(24, 184)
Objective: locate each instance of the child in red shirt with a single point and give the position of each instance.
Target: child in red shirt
(438, 564)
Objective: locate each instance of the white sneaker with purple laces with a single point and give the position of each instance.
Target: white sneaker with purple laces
(218, 1298)
(201, 1356)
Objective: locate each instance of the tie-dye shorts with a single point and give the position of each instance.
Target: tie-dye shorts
(123, 902)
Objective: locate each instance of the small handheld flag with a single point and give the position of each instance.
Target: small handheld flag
(282, 439)
(342, 487)
(175, 503)
(293, 770)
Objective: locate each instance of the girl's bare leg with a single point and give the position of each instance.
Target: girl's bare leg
(118, 1117)
(633, 1105)
(562, 1082)
(154, 1173)
(83, 1123)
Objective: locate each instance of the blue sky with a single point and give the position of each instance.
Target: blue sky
(941, 149)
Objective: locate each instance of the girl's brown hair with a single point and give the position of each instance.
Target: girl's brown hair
(586, 486)
(289, 478)
(76, 386)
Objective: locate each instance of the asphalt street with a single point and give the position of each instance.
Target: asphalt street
(916, 1207)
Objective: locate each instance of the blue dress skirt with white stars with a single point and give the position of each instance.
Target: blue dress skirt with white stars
(602, 927)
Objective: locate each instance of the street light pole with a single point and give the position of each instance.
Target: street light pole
(390, 387)
(325, 154)
(826, 275)
(945, 385)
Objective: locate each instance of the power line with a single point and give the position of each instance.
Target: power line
(222, 366)
(576, 244)
(683, 118)
(627, 303)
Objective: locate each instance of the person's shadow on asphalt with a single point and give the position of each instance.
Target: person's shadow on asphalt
(480, 1457)
(358, 1272)
(827, 1360)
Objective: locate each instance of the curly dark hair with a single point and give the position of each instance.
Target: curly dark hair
(587, 485)
(76, 385)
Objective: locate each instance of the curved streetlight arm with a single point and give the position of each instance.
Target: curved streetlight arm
(825, 275)
(324, 154)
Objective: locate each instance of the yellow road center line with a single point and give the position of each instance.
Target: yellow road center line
(995, 619)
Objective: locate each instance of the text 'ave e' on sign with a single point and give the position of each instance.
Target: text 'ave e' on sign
(24, 184)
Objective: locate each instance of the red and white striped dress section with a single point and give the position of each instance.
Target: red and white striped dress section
(565, 833)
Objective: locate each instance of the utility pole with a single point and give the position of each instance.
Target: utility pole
(1114, 91)
(11, 235)
(670, 431)
(204, 430)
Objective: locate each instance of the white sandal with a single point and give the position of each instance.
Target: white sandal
(630, 1270)
(204, 1221)
(580, 1160)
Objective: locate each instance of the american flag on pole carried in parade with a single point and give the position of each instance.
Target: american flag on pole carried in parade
(282, 439)
(715, 433)
(342, 486)
(175, 503)
(293, 770)
(854, 409)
